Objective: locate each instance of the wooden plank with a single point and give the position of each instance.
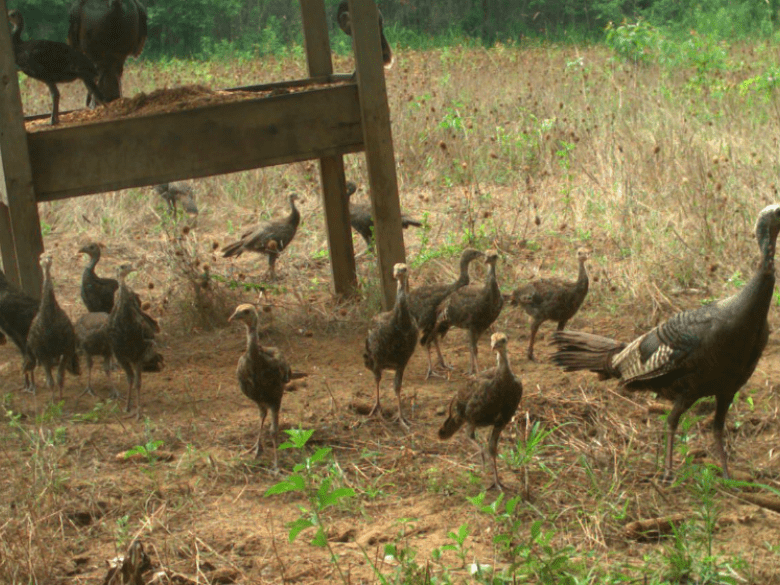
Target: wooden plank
(223, 138)
(22, 243)
(378, 140)
(342, 254)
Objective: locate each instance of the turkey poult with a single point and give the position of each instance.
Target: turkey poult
(96, 292)
(269, 238)
(93, 341)
(17, 311)
(262, 375)
(107, 31)
(345, 24)
(424, 302)
(391, 340)
(130, 336)
(51, 62)
(474, 308)
(709, 351)
(178, 193)
(362, 220)
(489, 400)
(51, 340)
(553, 299)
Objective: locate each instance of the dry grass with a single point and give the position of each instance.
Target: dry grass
(533, 151)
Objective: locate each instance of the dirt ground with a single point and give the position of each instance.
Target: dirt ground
(200, 509)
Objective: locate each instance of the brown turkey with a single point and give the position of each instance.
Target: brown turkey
(51, 62)
(362, 220)
(262, 375)
(391, 341)
(345, 24)
(424, 303)
(51, 340)
(490, 399)
(709, 351)
(108, 31)
(474, 308)
(553, 299)
(178, 193)
(269, 238)
(17, 311)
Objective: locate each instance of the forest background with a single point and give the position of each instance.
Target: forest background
(209, 29)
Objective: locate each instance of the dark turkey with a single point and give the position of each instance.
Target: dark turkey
(362, 220)
(17, 311)
(553, 299)
(424, 303)
(269, 238)
(709, 351)
(490, 399)
(51, 340)
(131, 337)
(178, 193)
(107, 31)
(262, 375)
(391, 341)
(96, 292)
(51, 62)
(474, 308)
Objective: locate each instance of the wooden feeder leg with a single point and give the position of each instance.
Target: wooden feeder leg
(21, 241)
(342, 255)
(378, 140)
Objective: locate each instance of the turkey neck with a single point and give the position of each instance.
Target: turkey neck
(402, 304)
(463, 278)
(47, 295)
(93, 260)
(502, 362)
(492, 282)
(295, 215)
(252, 340)
(755, 298)
(582, 277)
(16, 36)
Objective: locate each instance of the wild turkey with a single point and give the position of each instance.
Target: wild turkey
(473, 307)
(96, 292)
(51, 339)
(489, 400)
(391, 341)
(17, 311)
(345, 24)
(424, 302)
(709, 351)
(363, 221)
(269, 238)
(553, 299)
(107, 31)
(262, 375)
(93, 341)
(130, 337)
(51, 62)
(179, 192)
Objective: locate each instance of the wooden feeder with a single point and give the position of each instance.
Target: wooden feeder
(326, 117)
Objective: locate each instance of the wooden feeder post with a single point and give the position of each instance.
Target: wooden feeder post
(21, 242)
(378, 142)
(342, 254)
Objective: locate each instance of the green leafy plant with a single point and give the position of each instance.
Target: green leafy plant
(147, 450)
(635, 42)
(317, 488)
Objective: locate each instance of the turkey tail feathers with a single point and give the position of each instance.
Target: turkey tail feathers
(585, 351)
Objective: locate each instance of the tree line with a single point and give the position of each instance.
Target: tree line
(208, 28)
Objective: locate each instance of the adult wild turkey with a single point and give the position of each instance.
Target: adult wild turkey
(363, 221)
(17, 311)
(269, 238)
(96, 292)
(51, 340)
(474, 308)
(130, 336)
(489, 400)
(391, 340)
(262, 375)
(107, 31)
(709, 351)
(345, 24)
(175, 193)
(51, 62)
(424, 303)
(553, 299)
